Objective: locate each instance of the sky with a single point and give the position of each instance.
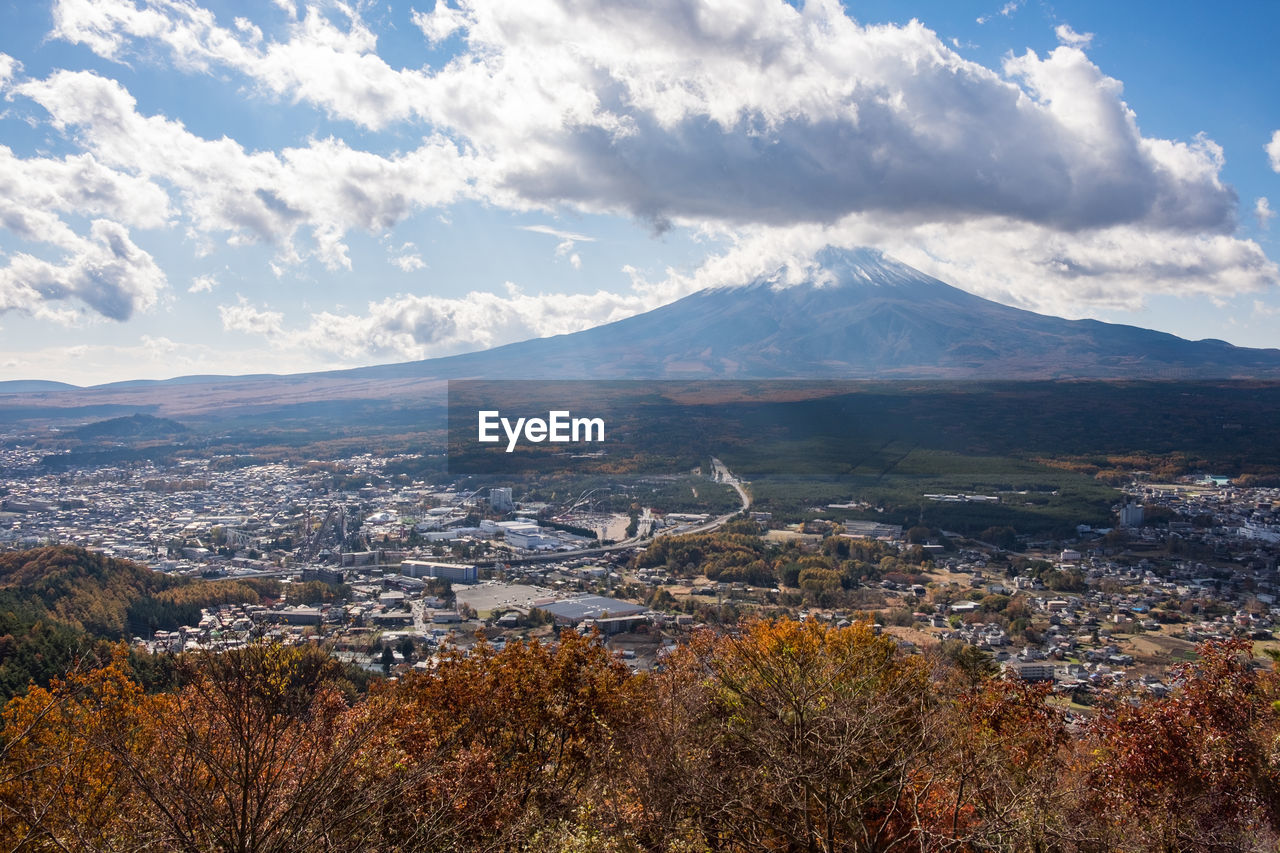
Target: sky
(252, 186)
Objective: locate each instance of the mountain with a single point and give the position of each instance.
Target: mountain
(29, 386)
(861, 316)
(133, 427)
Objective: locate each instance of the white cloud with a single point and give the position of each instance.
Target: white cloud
(326, 187)
(104, 270)
(1263, 213)
(8, 68)
(441, 22)
(1006, 11)
(406, 327)
(1273, 151)
(408, 259)
(568, 239)
(1019, 264)
(568, 236)
(34, 190)
(1263, 310)
(243, 317)
(753, 119)
(100, 267)
(752, 112)
(1071, 38)
(203, 284)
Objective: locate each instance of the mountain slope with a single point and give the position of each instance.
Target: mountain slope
(866, 317)
(862, 316)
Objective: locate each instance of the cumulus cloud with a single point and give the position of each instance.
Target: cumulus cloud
(326, 187)
(104, 270)
(99, 266)
(1273, 151)
(1071, 38)
(1029, 266)
(1025, 265)
(8, 67)
(1263, 213)
(203, 284)
(243, 317)
(405, 327)
(752, 112)
(753, 119)
(408, 259)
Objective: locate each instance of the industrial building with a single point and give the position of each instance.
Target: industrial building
(454, 572)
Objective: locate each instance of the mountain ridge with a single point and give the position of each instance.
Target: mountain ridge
(864, 316)
(858, 315)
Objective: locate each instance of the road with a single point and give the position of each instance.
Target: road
(721, 474)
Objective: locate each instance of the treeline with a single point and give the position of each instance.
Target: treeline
(737, 554)
(782, 736)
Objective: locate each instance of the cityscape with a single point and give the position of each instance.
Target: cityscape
(416, 565)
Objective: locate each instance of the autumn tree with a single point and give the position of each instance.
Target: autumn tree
(59, 790)
(1196, 770)
(790, 735)
(994, 779)
(499, 743)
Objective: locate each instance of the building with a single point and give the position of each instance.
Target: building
(455, 572)
(1029, 670)
(1131, 515)
(299, 615)
(573, 611)
(333, 577)
(500, 500)
(446, 617)
(617, 624)
(872, 530)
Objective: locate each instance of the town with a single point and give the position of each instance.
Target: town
(391, 573)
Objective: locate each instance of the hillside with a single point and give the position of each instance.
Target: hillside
(62, 602)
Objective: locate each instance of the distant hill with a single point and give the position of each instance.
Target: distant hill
(138, 426)
(33, 386)
(61, 602)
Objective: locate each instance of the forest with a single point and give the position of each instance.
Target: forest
(61, 603)
(781, 735)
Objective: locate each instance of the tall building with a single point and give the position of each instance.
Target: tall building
(500, 500)
(1131, 515)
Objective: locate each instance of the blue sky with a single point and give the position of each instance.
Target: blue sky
(197, 187)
